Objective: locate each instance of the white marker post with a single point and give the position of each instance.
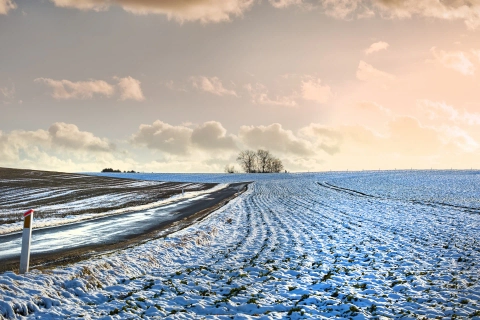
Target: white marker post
(26, 239)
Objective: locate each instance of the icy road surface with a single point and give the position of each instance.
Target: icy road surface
(307, 246)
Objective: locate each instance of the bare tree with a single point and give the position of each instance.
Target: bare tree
(263, 158)
(274, 165)
(229, 168)
(260, 161)
(247, 160)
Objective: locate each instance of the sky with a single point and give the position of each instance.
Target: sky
(185, 85)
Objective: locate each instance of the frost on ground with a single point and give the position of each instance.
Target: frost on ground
(60, 198)
(299, 248)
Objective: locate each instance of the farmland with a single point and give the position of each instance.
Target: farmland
(60, 198)
(340, 245)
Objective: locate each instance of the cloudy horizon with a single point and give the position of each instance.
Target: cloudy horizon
(183, 86)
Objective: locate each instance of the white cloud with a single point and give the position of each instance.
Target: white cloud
(436, 110)
(208, 146)
(377, 46)
(405, 137)
(212, 135)
(323, 137)
(458, 137)
(456, 60)
(441, 110)
(313, 90)
(187, 10)
(212, 85)
(374, 107)
(82, 4)
(341, 9)
(163, 136)
(69, 136)
(11, 143)
(274, 138)
(183, 140)
(260, 95)
(186, 142)
(307, 88)
(365, 13)
(130, 89)
(63, 147)
(284, 3)
(61, 135)
(65, 89)
(464, 10)
(223, 10)
(367, 72)
(7, 5)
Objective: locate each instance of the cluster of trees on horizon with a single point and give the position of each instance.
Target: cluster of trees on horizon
(117, 171)
(261, 161)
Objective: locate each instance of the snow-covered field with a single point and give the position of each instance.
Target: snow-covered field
(60, 198)
(332, 245)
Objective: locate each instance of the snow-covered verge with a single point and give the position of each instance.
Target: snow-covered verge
(290, 248)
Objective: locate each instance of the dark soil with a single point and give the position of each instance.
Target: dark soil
(21, 190)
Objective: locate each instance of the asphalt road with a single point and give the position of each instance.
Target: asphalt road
(75, 241)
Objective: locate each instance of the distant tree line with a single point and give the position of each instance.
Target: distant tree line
(119, 171)
(261, 161)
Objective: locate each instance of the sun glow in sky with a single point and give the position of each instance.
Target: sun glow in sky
(183, 86)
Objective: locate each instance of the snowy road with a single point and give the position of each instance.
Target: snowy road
(109, 230)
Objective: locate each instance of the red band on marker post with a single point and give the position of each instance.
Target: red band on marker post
(29, 212)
